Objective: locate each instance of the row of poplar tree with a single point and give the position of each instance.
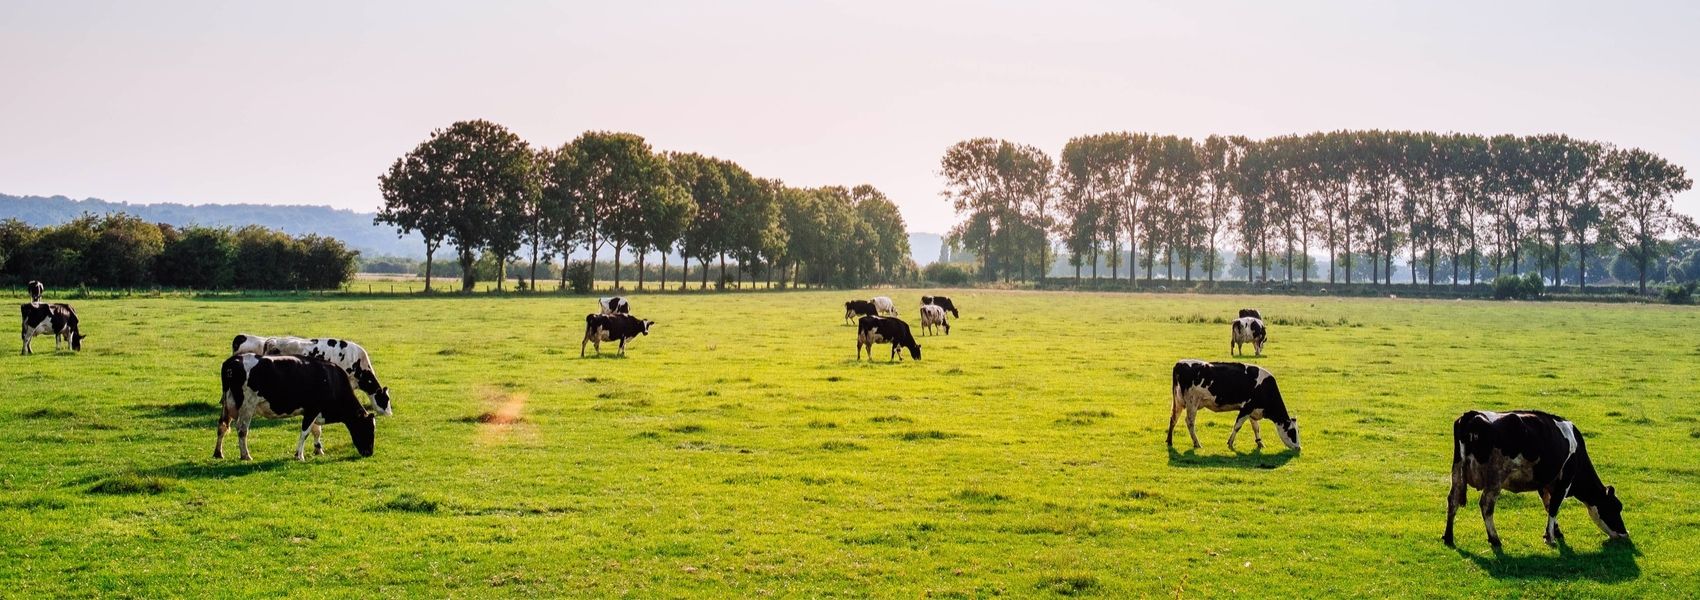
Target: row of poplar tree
(1464, 200)
(479, 188)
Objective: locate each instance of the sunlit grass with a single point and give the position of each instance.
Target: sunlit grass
(740, 450)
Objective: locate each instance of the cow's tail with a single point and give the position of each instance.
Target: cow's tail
(1176, 379)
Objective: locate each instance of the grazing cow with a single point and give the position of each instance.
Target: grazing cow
(932, 317)
(284, 386)
(615, 306)
(1250, 312)
(1222, 387)
(879, 330)
(885, 306)
(1526, 450)
(36, 289)
(354, 361)
(57, 319)
(941, 302)
(1247, 329)
(854, 308)
(608, 328)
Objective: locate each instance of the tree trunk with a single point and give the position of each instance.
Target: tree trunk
(594, 247)
(430, 251)
(534, 266)
(468, 279)
(664, 271)
(642, 264)
(722, 271)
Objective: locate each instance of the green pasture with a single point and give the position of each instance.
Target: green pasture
(740, 451)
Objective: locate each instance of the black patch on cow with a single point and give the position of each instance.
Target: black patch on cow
(1250, 312)
(942, 302)
(890, 330)
(236, 343)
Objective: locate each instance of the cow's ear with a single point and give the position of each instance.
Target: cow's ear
(1611, 491)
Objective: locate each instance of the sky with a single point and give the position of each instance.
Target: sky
(307, 102)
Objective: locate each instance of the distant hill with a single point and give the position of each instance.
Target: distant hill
(353, 228)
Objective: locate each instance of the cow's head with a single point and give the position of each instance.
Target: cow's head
(77, 341)
(381, 400)
(1608, 514)
(1289, 432)
(915, 351)
(646, 325)
(363, 429)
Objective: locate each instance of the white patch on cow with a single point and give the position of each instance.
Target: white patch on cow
(1568, 430)
(1594, 512)
(1262, 374)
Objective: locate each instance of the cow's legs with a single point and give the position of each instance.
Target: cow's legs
(25, 336)
(1454, 499)
(223, 426)
(622, 346)
(306, 429)
(1257, 431)
(1174, 415)
(1236, 432)
(1552, 501)
(894, 354)
(1191, 426)
(1490, 496)
(318, 439)
(581, 347)
(242, 437)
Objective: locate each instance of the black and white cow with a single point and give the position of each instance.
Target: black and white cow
(941, 302)
(1222, 387)
(36, 290)
(276, 387)
(615, 306)
(609, 328)
(880, 330)
(1527, 450)
(854, 308)
(1247, 329)
(57, 319)
(346, 355)
(884, 305)
(932, 317)
(1250, 312)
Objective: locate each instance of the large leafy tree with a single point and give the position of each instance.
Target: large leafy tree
(1644, 185)
(616, 174)
(417, 191)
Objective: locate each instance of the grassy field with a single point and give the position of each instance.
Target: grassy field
(740, 451)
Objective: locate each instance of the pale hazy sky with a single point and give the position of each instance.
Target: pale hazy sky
(307, 102)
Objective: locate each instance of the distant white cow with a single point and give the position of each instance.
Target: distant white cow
(346, 355)
(933, 317)
(615, 306)
(885, 306)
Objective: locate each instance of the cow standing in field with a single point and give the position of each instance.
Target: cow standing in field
(615, 306)
(346, 355)
(36, 290)
(1526, 450)
(880, 330)
(284, 386)
(941, 302)
(1247, 329)
(1250, 312)
(932, 317)
(855, 308)
(609, 328)
(884, 305)
(57, 319)
(1222, 387)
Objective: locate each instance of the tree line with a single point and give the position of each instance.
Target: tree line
(1460, 202)
(479, 189)
(119, 250)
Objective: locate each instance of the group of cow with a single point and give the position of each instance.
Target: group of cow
(315, 379)
(877, 322)
(1518, 451)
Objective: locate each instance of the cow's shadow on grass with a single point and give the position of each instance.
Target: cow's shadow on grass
(220, 468)
(1613, 562)
(1256, 459)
